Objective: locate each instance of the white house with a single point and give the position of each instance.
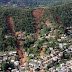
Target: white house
(32, 55)
(5, 58)
(51, 48)
(14, 70)
(61, 45)
(42, 56)
(12, 61)
(21, 68)
(33, 64)
(16, 63)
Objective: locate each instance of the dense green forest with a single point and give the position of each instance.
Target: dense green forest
(24, 21)
(63, 12)
(34, 3)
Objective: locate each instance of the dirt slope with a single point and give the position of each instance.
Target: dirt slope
(21, 56)
(37, 15)
(10, 25)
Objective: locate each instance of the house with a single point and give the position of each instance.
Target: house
(0, 69)
(46, 43)
(44, 46)
(65, 44)
(9, 68)
(33, 64)
(51, 48)
(16, 63)
(28, 36)
(52, 69)
(42, 70)
(12, 61)
(42, 56)
(62, 38)
(22, 68)
(25, 64)
(35, 60)
(9, 58)
(32, 55)
(5, 58)
(10, 53)
(1, 54)
(14, 70)
(52, 55)
(70, 47)
(54, 59)
(62, 65)
(7, 36)
(45, 58)
(48, 57)
(4, 54)
(26, 53)
(23, 32)
(31, 69)
(61, 45)
(51, 42)
(59, 40)
(14, 52)
(34, 45)
(40, 61)
(60, 54)
(13, 57)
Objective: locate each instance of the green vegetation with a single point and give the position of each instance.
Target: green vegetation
(64, 13)
(34, 3)
(24, 21)
(5, 66)
(8, 44)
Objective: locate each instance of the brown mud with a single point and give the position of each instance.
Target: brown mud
(21, 56)
(37, 15)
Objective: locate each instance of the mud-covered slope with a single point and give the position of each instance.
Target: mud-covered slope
(37, 15)
(32, 20)
(21, 56)
(24, 19)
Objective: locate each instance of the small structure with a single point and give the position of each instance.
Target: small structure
(33, 64)
(16, 63)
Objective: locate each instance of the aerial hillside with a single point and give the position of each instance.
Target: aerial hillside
(38, 39)
(32, 21)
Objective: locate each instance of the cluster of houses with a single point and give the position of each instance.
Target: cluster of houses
(64, 67)
(20, 34)
(41, 63)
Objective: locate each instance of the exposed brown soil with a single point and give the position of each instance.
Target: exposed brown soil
(21, 56)
(54, 31)
(18, 33)
(42, 51)
(37, 15)
(47, 23)
(10, 25)
(58, 21)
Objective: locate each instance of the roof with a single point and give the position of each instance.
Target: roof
(33, 63)
(51, 48)
(70, 46)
